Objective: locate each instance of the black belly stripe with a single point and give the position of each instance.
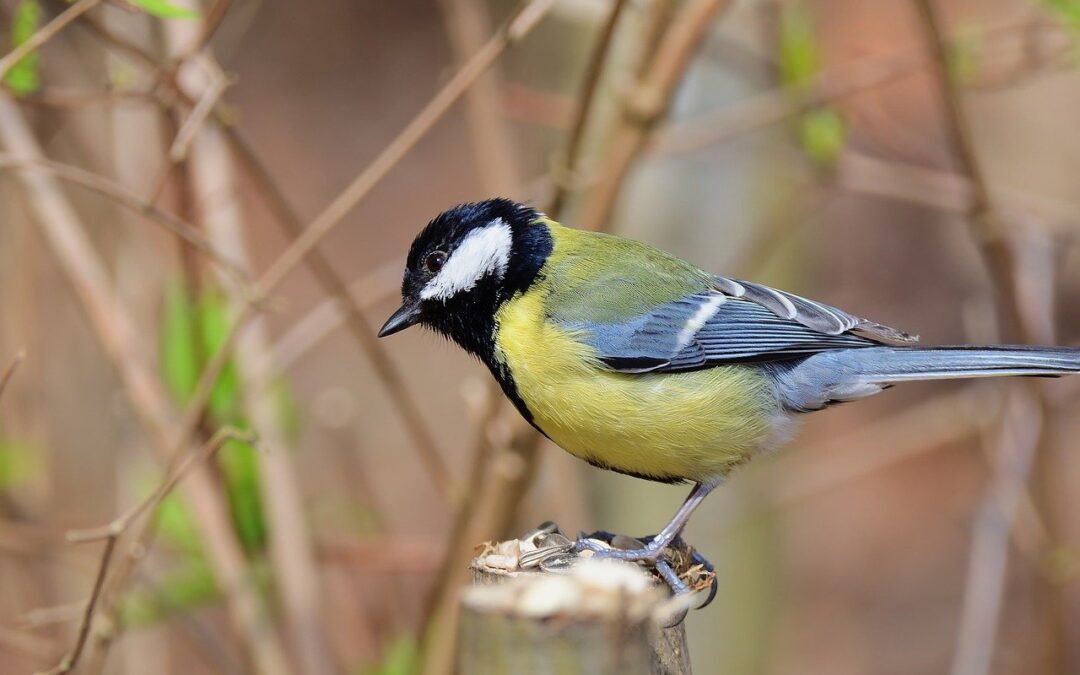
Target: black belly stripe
(670, 480)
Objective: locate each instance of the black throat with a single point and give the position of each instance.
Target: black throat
(469, 318)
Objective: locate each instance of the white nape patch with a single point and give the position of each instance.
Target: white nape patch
(483, 251)
(700, 318)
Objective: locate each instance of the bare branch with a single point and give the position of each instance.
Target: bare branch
(522, 22)
(115, 529)
(566, 167)
(45, 33)
(1018, 438)
(72, 658)
(342, 306)
(205, 106)
(120, 339)
(646, 104)
(19, 357)
(129, 200)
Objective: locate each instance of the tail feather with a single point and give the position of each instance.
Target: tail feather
(900, 364)
(844, 375)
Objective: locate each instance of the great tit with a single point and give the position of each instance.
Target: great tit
(639, 362)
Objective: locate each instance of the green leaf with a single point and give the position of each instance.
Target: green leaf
(964, 55)
(24, 77)
(179, 355)
(165, 10)
(187, 588)
(402, 657)
(1067, 11)
(176, 525)
(214, 321)
(191, 333)
(823, 135)
(799, 54)
(19, 462)
(240, 465)
(288, 413)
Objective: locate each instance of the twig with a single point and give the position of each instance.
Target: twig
(520, 24)
(246, 612)
(19, 357)
(776, 105)
(72, 658)
(494, 149)
(119, 43)
(219, 82)
(112, 532)
(211, 22)
(566, 166)
(119, 337)
(351, 311)
(214, 183)
(377, 286)
(949, 192)
(1017, 444)
(983, 597)
(44, 34)
(129, 200)
(985, 228)
(72, 98)
(645, 104)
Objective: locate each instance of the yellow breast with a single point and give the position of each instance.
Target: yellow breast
(693, 425)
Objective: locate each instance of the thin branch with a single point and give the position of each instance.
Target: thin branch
(44, 34)
(951, 193)
(212, 20)
(986, 230)
(566, 167)
(494, 147)
(72, 658)
(120, 339)
(214, 187)
(219, 82)
(119, 43)
(115, 529)
(307, 332)
(19, 358)
(351, 311)
(776, 105)
(129, 200)
(521, 23)
(1017, 444)
(73, 98)
(646, 104)
(986, 580)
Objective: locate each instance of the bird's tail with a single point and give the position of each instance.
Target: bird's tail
(848, 374)
(899, 364)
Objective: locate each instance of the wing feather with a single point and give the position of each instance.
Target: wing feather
(735, 321)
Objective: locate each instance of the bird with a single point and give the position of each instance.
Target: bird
(639, 362)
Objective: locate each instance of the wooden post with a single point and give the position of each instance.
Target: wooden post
(541, 609)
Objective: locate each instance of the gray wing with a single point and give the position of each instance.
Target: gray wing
(737, 321)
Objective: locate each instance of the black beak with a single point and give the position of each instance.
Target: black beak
(406, 315)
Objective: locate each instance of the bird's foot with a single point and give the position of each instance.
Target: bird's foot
(682, 568)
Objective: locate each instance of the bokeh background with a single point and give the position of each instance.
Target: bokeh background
(913, 161)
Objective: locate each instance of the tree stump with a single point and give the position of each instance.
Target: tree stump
(535, 607)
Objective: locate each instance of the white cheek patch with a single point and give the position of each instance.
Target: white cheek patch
(482, 252)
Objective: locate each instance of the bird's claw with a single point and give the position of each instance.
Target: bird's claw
(682, 568)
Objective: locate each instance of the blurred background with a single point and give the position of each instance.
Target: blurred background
(912, 161)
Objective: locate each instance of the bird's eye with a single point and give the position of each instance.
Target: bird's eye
(435, 261)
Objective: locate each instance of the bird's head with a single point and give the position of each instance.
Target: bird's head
(465, 264)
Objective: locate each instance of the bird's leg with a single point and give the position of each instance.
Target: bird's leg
(655, 548)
